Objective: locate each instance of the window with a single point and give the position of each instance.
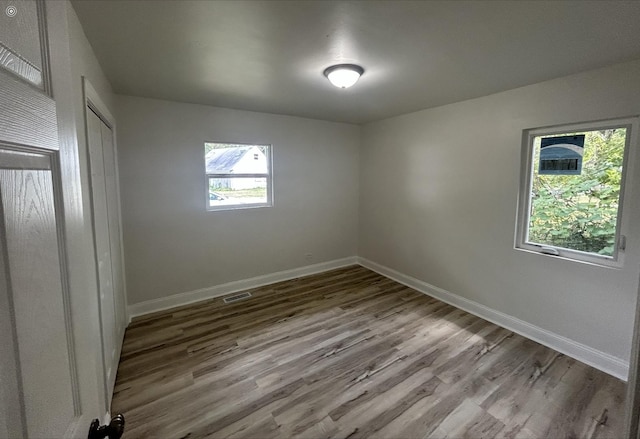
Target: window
(238, 175)
(572, 188)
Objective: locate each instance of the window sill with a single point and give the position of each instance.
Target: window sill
(237, 207)
(594, 262)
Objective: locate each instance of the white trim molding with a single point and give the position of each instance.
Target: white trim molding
(180, 299)
(632, 406)
(598, 359)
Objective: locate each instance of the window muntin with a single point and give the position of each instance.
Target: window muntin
(572, 204)
(237, 175)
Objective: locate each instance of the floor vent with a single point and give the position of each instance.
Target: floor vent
(237, 297)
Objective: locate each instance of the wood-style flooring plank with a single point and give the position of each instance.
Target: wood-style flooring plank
(351, 354)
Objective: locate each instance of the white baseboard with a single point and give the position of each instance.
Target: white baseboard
(150, 306)
(593, 357)
(600, 360)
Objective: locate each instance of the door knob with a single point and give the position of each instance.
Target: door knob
(113, 431)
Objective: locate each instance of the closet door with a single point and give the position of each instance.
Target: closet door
(113, 211)
(102, 242)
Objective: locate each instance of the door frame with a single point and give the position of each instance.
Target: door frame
(632, 405)
(93, 102)
(78, 245)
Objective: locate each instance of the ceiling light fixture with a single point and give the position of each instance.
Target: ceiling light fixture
(343, 75)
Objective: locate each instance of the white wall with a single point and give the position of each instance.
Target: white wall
(173, 245)
(82, 265)
(438, 202)
(85, 63)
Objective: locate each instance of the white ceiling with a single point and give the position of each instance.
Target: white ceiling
(269, 55)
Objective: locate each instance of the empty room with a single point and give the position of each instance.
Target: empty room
(319, 219)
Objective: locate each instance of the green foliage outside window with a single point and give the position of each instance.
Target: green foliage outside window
(580, 212)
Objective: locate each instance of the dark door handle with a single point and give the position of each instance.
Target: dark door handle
(113, 431)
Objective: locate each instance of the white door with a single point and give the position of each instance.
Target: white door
(106, 224)
(115, 233)
(48, 375)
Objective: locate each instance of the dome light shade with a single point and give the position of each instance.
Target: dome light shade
(343, 75)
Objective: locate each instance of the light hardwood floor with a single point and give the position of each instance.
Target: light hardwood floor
(351, 354)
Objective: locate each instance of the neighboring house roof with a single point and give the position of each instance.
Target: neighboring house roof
(222, 161)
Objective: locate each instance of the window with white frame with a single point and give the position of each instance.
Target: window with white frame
(572, 190)
(237, 175)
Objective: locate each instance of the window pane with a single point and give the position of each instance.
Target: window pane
(237, 190)
(242, 175)
(572, 206)
(230, 158)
